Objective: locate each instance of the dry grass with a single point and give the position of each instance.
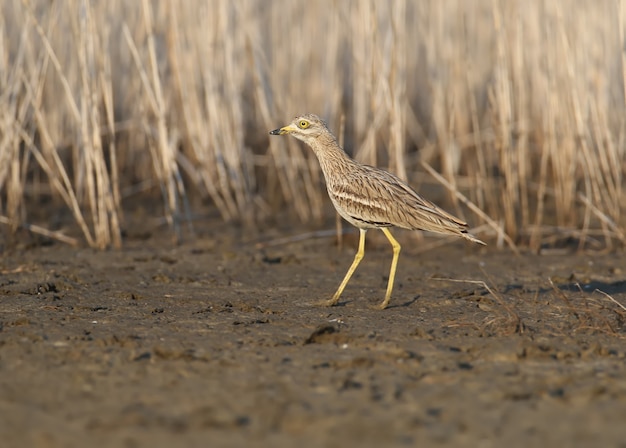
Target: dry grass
(520, 106)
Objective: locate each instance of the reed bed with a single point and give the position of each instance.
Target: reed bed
(520, 106)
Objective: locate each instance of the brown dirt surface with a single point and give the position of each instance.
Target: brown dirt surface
(216, 342)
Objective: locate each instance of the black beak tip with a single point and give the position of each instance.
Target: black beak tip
(275, 132)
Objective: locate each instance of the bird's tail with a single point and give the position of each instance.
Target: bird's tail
(468, 236)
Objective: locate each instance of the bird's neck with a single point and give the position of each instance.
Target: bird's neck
(330, 154)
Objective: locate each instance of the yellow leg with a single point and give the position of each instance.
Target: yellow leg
(394, 265)
(357, 259)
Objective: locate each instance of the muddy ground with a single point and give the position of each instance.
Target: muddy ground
(217, 342)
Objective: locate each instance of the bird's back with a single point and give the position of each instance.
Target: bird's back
(369, 197)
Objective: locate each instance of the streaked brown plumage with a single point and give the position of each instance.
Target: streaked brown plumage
(370, 198)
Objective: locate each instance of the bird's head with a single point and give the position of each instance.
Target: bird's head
(305, 127)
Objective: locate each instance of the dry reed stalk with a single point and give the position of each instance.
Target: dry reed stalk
(512, 317)
(193, 120)
(371, 91)
(500, 97)
(606, 220)
(215, 126)
(588, 312)
(114, 200)
(611, 299)
(12, 113)
(397, 89)
(88, 160)
(57, 169)
(99, 191)
(41, 231)
(188, 101)
(494, 225)
(523, 154)
(165, 162)
(524, 100)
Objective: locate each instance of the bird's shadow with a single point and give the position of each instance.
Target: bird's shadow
(339, 304)
(343, 303)
(405, 304)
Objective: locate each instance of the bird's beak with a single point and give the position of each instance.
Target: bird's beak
(282, 131)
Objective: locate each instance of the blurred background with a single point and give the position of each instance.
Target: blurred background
(512, 113)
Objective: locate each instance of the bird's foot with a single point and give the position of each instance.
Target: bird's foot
(330, 302)
(381, 306)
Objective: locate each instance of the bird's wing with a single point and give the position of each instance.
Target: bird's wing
(378, 197)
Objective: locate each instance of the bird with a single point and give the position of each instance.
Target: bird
(369, 197)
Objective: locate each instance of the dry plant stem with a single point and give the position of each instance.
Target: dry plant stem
(89, 146)
(166, 158)
(193, 121)
(602, 217)
(163, 158)
(11, 166)
(502, 302)
(63, 185)
(511, 96)
(295, 238)
(610, 298)
(41, 231)
(12, 114)
(472, 207)
(59, 169)
(565, 299)
(504, 112)
(113, 199)
(397, 89)
(475, 282)
(104, 211)
(497, 297)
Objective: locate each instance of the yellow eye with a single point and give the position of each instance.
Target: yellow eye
(303, 124)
